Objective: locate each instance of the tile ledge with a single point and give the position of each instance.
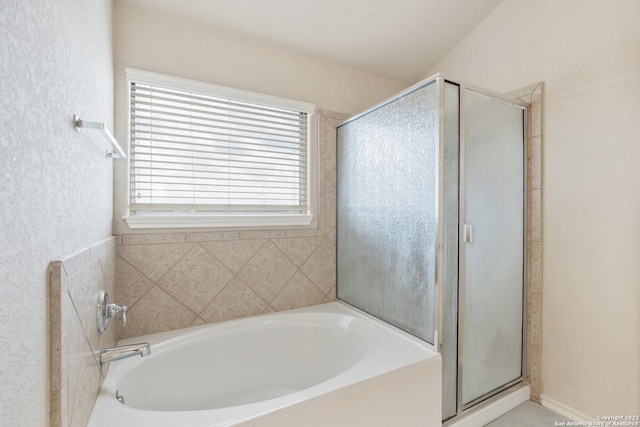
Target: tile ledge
(81, 258)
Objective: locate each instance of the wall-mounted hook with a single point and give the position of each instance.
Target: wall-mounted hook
(79, 124)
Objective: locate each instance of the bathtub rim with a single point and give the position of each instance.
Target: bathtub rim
(333, 307)
(106, 405)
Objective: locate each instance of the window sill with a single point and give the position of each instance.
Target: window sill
(216, 221)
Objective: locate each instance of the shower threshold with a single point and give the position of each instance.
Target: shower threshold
(492, 408)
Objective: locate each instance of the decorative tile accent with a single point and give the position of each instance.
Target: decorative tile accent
(267, 272)
(154, 260)
(196, 279)
(174, 280)
(298, 249)
(321, 266)
(132, 284)
(234, 254)
(156, 311)
(299, 292)
(236, 300)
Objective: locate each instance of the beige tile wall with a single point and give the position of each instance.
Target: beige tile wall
(74, 366)
(533, 95)
(175, 280)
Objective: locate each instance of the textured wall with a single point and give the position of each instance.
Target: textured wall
(55, 184)
(586, 52)
(176, 280)
(74, 365)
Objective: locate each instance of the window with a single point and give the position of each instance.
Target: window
(204, 155)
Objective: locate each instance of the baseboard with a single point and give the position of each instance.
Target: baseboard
(483, 416)
(563, 409)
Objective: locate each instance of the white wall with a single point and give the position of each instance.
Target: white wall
(55, 184)
(588, 54)
(152, 42)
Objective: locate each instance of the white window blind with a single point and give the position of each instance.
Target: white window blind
(197, 152)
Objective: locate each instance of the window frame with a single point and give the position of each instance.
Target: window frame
(147, 220)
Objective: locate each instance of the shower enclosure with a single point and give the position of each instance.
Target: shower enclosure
(430, 228)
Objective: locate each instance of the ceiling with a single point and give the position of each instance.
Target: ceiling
(396, 39)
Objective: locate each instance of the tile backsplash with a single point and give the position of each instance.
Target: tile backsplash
(74, 366)
(174, 280)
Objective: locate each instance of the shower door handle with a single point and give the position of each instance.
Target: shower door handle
(468, 233)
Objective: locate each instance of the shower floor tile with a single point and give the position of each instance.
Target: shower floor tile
(529, 414)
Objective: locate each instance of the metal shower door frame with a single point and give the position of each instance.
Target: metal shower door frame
(440, 81)
(461, 406)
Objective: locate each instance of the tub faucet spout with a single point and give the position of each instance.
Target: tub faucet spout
(123, 351)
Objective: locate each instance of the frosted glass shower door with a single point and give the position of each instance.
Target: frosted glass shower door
(491, 246)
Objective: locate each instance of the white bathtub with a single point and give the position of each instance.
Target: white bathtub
(327, 365)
